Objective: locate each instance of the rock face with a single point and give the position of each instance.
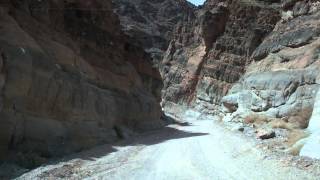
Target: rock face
(283, 78)
(210, 51)
(69, 77)
(312, 145)
(68, 72)
(241, 57)
(152, 22)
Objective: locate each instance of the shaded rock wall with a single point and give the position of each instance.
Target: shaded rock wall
(68, 77)
(151, 22)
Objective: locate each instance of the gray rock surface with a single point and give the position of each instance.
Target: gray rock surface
(210, 50)
(282, 81)
(151, 23)
(312, 145)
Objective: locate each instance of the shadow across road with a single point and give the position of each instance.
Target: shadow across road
(147, 138)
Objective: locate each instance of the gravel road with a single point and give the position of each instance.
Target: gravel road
(198, 150)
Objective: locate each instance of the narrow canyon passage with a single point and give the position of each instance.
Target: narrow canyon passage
(160, 89)
(199, 149)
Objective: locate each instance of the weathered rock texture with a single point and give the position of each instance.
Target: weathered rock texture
(282, 79)
(210, 51)
(242, 57)
(152, 22)
(69, 78)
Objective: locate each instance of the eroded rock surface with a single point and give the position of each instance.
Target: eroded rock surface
(239, 58)
(210, 51)
(285, 80)
(151, 23)
(282, 81)
(68, 77)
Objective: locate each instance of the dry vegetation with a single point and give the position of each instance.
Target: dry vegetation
(294, 122)
(295, 136)
(295, 141)
(282, 124)
(256, 119)
(300, 119)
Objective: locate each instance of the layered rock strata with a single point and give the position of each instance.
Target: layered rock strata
(69, 79)
(151, 23)
(283, 76)
(210, 51)
(283, 79)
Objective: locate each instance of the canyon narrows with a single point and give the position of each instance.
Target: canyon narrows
(124, 88)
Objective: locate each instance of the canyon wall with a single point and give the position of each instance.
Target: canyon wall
(282, 79)
(239, 58)
(151, 23)
(69, 77)
(210, 51)
(74, 75)
(260, 52)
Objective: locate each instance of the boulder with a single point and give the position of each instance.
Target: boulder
(265, 133)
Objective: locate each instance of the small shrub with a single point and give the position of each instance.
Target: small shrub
(280, 123)
(300, 119)
(296, 148)
(296, 141)
(296, 135)
(256, 119)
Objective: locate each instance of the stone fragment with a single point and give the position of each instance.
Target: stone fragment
(265, 133)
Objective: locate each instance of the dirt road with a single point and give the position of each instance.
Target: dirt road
(200, 150)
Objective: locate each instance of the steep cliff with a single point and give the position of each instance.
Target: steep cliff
(151, 23)
(210, 51)
(283, 80)
(283, 76)
(69, 78)
(241, 59)
(73, 75)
